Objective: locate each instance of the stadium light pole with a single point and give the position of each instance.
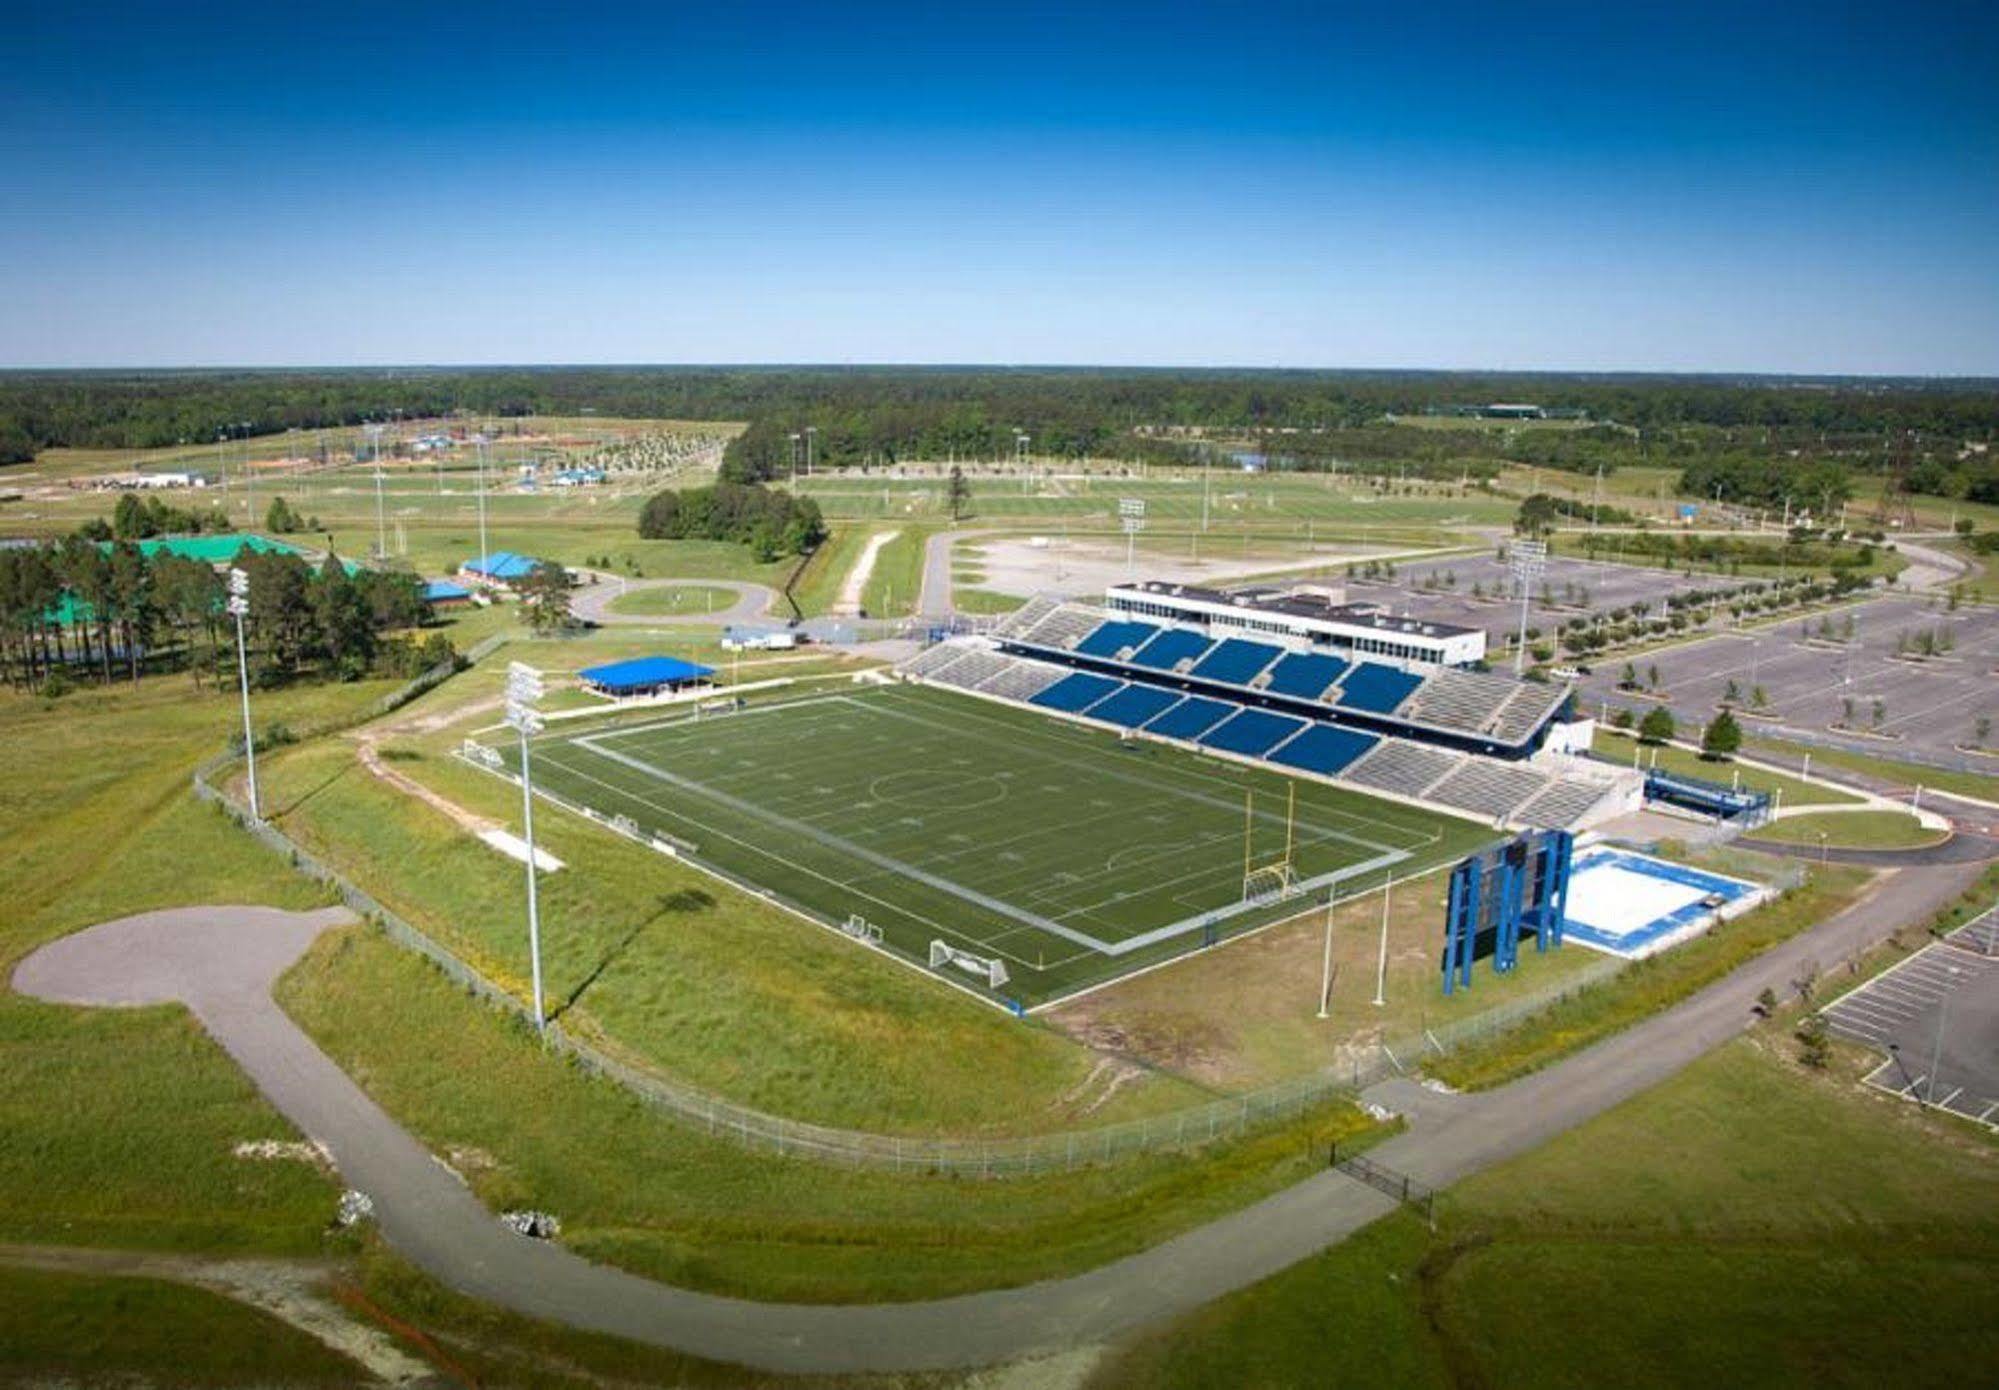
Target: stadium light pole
(484, 549)
(1381, 961)
(1943, 1022)
(1525, 560)
(1326, 965)
(239, 609)
(524, 691)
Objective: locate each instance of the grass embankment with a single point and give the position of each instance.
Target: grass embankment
(1852, 830)
(638, 1189)
(1746, 1223)
(674, 601)
(708, 985)
(119, 1124)
(984, 601)
(70, 1329)
(1249, 1015)
(1888, 771)
(1618, 748)
(1649, 985)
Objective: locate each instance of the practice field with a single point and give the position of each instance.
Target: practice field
(1065, 854)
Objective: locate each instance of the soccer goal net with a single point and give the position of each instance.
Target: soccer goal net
(1269, 883)
(992, 971)
(861, 929)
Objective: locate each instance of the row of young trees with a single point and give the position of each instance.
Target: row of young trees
(80, 608)
(771, 521)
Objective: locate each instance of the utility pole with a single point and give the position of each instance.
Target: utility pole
(524, 691)
(484, 550)
(1381, 960)
(239, 608)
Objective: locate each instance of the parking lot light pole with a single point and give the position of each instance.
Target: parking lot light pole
(239, 609)
(1943, 1022)
(524, 690)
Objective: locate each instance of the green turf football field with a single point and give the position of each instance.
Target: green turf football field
(1008, 833)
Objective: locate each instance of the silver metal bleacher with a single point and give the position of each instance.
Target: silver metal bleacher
(927, 663)
(1021, 679)
(1489, 788)
(1404, 768)
(1565, 803)
(1064, 627)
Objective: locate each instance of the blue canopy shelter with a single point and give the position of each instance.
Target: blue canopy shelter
(645, 675)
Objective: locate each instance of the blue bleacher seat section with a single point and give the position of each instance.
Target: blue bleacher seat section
(1305, 674)
(1252, 733)
(1135, 704)
(1077, 692)
(1235, 661)
(1324, 748)
(1191, 717)
(1376, 688)
(1170, 648)
(1114, 636)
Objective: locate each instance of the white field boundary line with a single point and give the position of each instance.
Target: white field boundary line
(1382, 859)
(779, 903)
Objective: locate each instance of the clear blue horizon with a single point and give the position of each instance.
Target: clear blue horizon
(1716, 189)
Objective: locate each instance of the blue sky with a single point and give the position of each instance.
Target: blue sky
(1683, 187)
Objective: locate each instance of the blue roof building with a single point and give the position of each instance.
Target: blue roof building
(644, 675)
(444, 591)
(501, 567)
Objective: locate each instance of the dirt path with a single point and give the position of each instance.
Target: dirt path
(293, 1291)
(855, 585)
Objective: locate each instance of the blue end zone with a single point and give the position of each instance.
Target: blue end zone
(1253, 732)
(1376, 688)
(1170, 648)
(1324, 748)
(1135, 704)
(1191, 717)
(1076, 692)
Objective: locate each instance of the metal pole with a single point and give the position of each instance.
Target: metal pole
(1936, 1054)
(1381, 962)
(249, 738)
(534, 904)
(1326, 967)
(484, 551)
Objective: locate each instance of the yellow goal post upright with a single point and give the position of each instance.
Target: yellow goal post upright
(1273, 878)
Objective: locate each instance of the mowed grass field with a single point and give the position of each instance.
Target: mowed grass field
(1057, 849)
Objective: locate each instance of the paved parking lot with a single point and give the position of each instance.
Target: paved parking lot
(1895, 706)
(1441, 590)
(1936, 1015)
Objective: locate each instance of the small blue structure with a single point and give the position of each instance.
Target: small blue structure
(1737, 805)
(501, 567)
(1518, 883)
(644, 675)
(443, 592)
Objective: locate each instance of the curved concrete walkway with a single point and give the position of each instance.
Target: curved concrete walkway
(222, 962)
(592, 602)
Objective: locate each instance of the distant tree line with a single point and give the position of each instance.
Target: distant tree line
(81, 609)
(891, 412)
(771, 521)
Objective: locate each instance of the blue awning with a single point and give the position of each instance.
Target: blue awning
(644, 673)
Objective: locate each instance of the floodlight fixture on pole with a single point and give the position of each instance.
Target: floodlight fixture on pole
(1131, 515)
(1527, 559)
(484, 548)
(524, 691)
(811, 448)
(239, 609)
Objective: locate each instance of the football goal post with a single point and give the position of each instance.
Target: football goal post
(1274, 878)
(1269, 883)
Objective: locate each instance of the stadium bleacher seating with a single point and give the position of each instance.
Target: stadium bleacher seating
(1235, 660)
(1465, 700)
(1323, 748)
(978, 664)
(931, 660)
(1251, 732)
(1067, 625)
(1115, 637)
(1304, 675)
(1563, 804)
(1171, 647)
(1192, 717)
(1489, 788)
(1376, 688)
(1404, 768)
(1135, 705)
(1026, 616)
(1077, 691)
(1530, 707)
(1021, 680)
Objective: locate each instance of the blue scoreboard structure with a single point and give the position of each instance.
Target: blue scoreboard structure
(1519, 884)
